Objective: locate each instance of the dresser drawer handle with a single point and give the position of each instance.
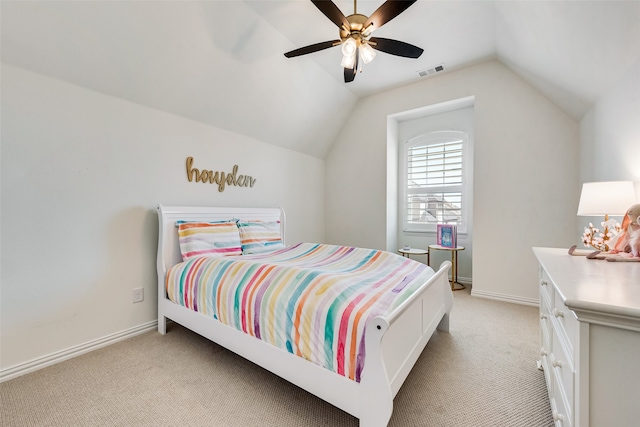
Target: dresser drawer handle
(544, 316)
(558, 313)
(557, 416)
(543, 352)
(544, 283)
(556, 363)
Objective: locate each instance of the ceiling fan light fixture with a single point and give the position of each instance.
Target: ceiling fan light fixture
(348, 61)
(367, 53)
(349, 47)
(358, 47)
(366, 32)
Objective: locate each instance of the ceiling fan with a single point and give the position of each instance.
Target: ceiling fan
(355, 35)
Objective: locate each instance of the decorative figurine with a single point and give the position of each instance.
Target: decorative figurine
(625, 245)
(629, 238)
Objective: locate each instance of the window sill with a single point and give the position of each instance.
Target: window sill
(430, 232)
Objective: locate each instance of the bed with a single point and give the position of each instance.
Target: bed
(393, 340)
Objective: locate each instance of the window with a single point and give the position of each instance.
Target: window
(434, 181)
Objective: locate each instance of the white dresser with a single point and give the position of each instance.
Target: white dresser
(590, 336)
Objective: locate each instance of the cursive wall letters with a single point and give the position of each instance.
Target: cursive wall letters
(218, 177)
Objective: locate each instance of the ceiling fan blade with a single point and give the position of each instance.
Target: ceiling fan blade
(312, 48)
(350, 73)
(395, 47)
(385, 13)
(332, 12)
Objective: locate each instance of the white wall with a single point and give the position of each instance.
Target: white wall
(81, 175)
(525, 174)
(610, 137)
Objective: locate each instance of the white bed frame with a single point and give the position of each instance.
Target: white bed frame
(393, 342)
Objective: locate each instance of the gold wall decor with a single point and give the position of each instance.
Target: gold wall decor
(218, 177)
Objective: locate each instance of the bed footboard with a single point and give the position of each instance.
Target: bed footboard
(395, 342)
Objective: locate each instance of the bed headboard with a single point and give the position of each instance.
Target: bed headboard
(168, 246)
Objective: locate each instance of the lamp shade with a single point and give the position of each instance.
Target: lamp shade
(349, 47)
(367, 53)
(348, 61)
(606, 198)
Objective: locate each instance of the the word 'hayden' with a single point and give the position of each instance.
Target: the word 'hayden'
(218, 177)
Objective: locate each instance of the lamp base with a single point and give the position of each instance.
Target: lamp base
(592, 237)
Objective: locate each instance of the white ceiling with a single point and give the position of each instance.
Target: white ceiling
(222, 62)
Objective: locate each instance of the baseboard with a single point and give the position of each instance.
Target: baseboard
(508, 298)
(464, 281)
(71, 352)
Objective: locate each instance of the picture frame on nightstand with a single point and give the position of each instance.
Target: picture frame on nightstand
(447, 235)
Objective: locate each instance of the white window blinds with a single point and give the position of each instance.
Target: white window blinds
(434, 187)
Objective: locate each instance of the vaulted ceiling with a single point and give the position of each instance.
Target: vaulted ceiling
(222, 62)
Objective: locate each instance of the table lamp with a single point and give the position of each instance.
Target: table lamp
(604, 198)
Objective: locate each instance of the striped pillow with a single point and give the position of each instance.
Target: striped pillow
(208, 239)
(258, 237)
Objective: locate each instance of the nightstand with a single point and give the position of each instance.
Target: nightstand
(413, 251)
(454, 263)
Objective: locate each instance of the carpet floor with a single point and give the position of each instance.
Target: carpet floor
(481, 373)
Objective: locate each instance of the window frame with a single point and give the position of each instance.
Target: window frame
(430, 138)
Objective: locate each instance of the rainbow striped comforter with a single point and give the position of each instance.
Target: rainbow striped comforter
(311, 300)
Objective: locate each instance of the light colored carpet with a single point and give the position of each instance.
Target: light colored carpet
(482, 373)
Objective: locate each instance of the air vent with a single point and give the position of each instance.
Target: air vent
(431, 71)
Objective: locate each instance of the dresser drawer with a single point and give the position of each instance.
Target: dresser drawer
(559, 407)
(546, 326)
(566, 321)
(563, 372)
(546, 287)
(548, 371)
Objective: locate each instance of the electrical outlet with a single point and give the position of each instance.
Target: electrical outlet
(138, 295)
